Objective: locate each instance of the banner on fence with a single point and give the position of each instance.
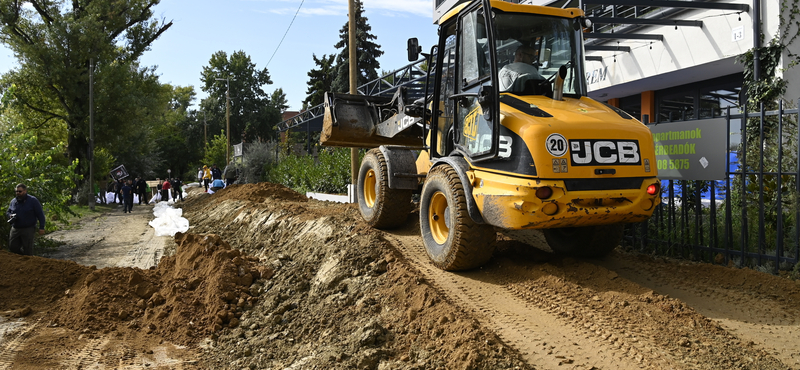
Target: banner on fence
(691, 150)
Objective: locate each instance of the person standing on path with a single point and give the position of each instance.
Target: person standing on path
(141, 189)
(101, 190)
(127, 197)
(117, 187)
(22, 214)
(177, 188)
(165, 187)
(206, 177)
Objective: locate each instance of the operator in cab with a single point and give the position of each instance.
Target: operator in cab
(514, 75)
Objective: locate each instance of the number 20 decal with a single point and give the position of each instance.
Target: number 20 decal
(556, 145)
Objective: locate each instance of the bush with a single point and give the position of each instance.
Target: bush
(258, 159)
(47, 180)
(328, 173)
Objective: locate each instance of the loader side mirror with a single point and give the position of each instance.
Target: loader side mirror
(413, 49)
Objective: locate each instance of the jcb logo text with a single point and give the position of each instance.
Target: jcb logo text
(604, 152)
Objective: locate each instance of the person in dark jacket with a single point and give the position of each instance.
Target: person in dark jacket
(141, 190)
(177, 188)
(127, 197)
(117, 187)
(216, 173)
(22, 214)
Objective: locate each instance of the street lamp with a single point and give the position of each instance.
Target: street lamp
(227, 116)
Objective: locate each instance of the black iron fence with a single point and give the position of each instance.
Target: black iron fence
(751, 217)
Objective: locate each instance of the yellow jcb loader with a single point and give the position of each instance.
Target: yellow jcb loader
(505, 140)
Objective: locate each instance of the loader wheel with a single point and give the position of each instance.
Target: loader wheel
(584, 242)
(453, 241)
(381, 207)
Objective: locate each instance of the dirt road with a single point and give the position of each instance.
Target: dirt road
(113, 239)
(314, 287)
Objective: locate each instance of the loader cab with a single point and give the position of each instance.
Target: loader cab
(489, 51)
(467, 113)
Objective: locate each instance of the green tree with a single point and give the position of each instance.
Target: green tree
(367, 52)
(23, 161)
(320, 80)
(179, 136)
(278, 101)
(215, 151)
(54, 42)
(251, 114)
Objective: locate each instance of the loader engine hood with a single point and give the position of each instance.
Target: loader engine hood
(575, 138)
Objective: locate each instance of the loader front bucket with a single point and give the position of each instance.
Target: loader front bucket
(354, 120)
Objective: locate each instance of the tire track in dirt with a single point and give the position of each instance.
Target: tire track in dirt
(590, 316)
(544, 338)
(741, 300)
(11, 347)
(91, 354)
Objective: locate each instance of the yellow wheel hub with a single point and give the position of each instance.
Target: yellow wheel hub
(437, 217)
(369, 188)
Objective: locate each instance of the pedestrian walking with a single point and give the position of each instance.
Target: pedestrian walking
(127, 197)
(200, 175)
(22, 214)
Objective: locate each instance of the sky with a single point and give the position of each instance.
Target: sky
(203, 27)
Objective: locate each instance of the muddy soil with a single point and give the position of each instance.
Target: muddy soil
(267, 279)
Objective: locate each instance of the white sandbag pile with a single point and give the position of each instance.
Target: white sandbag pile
(168, 220)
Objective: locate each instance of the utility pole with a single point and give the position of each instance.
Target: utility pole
(353, 83)
(91, 134)
(205, 128)
(227, 117)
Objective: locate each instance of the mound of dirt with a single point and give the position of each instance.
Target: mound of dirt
(204, 287)
(341, 297)
(33, 284)
(256, 193)
(189, 296)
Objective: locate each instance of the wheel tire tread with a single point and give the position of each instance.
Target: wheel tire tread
(473, 244)
(392, 206)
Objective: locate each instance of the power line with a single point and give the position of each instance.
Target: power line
(286, 33)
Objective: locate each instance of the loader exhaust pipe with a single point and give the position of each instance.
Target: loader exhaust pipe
(558, 89)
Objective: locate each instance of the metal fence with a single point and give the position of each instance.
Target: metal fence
(749, 219)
